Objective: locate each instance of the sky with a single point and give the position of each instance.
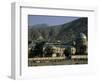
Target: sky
(49, 20)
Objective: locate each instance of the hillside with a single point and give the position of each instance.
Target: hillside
(65, 32)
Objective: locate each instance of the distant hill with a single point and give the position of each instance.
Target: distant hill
(38, 26)
(64, 32)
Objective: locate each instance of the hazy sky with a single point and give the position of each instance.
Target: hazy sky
(50, 20)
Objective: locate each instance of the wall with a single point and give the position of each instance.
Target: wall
(5, 38)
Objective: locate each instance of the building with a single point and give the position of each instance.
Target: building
(81, 44)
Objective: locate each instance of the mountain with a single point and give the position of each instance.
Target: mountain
(38, 26)
(65, 32)
(70, 30)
